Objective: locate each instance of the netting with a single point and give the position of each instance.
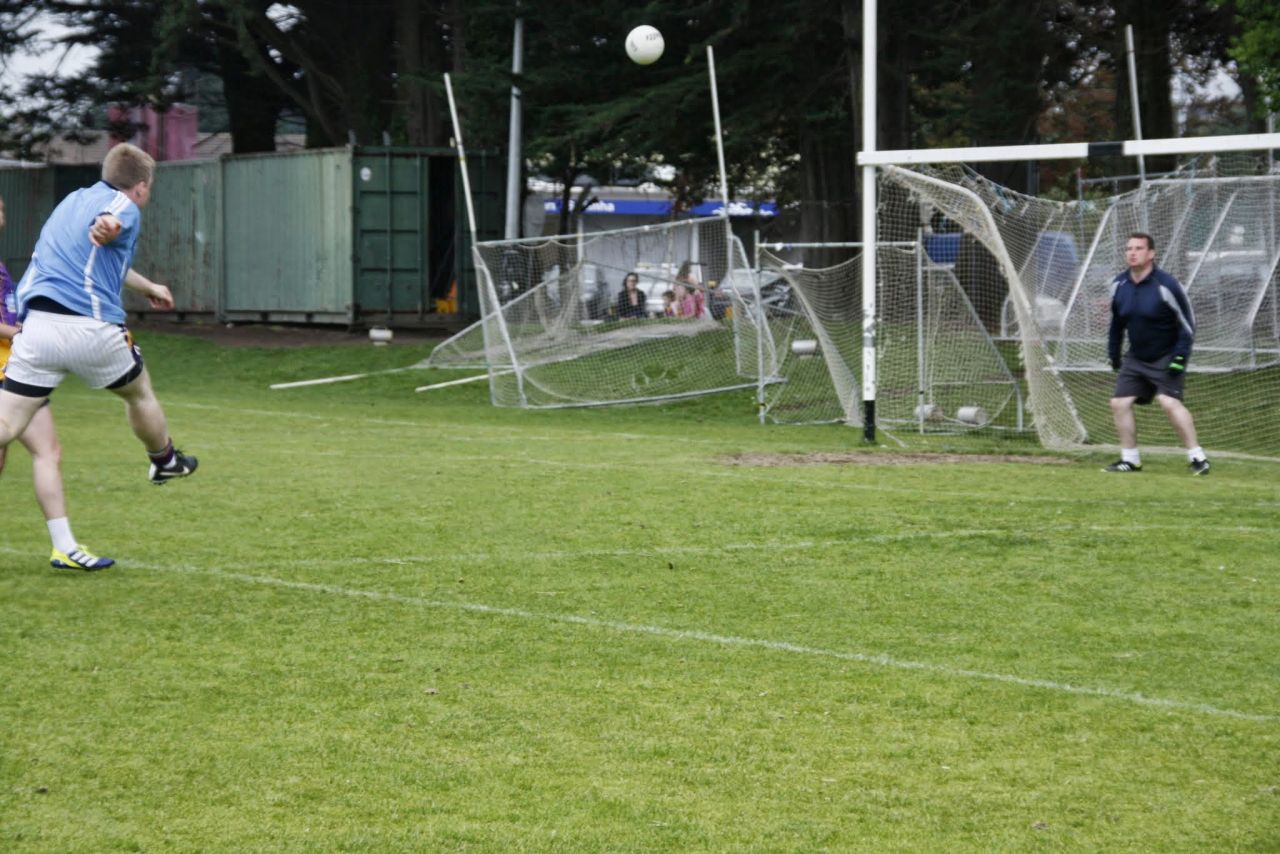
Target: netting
(1038, 272)
(815, 320)
(557, 328)
(938, 368)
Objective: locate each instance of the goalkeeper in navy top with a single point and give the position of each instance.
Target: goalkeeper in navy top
(1150, 306)
(69, 304)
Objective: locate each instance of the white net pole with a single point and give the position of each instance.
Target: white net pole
(1134, 104)
(494, 329)
(728, 226)
(870, 42)
(462, 157)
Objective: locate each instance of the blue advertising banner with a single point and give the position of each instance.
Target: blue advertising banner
(659, 207)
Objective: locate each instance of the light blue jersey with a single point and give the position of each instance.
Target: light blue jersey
(68, 268)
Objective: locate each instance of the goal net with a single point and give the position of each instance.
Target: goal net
(1038, 274)
(556, 329)
(939, 369)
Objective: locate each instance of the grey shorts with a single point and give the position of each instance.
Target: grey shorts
(1144, 380)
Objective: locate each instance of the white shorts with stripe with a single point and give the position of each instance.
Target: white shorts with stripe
(50, 346)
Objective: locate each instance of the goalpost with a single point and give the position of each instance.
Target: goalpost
(1054, 409)
(1039, 272)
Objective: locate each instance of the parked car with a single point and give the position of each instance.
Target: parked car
(773, 287)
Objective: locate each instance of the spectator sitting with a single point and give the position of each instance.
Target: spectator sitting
(686, 302)
(669, 304)
(686, 277)
(631, 299)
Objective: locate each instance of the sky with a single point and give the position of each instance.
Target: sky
(48, 57)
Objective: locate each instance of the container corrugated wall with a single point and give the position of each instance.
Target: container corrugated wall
(181, 242)
(488, 192)
(391, 215)
(288, 237)
(28, 199)
(412, 243)
(30, 195)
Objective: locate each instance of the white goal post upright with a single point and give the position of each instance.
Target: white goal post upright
(870, 33)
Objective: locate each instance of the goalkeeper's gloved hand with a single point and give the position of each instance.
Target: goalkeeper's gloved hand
(1115, 364)
(1178, 365)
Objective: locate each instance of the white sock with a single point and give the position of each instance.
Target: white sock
(1196, 453)
(1130, 455)
(60, 533)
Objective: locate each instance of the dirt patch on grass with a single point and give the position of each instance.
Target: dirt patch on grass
(833, 458)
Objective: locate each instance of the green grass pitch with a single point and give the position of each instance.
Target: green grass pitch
(376, 620)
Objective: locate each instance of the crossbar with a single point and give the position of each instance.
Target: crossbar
(1071, 150)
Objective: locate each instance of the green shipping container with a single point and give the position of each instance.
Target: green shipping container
(181, 242)
(352, 236)
(412, 240)
(30, 194)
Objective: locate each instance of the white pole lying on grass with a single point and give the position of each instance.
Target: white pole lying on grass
(341, 379)
(462, 381)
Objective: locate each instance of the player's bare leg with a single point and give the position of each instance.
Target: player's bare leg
(1126, 423)
(1180, 417)
(41, 439)
(1185, 426)
(147, 419)
(146, 416)
(16, 411)
(1127, 431)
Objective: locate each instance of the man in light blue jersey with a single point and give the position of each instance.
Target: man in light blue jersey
(69, 303)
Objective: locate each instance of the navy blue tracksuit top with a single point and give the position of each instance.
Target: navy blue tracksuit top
(1156, 314)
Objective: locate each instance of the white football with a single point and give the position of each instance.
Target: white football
(644, 45)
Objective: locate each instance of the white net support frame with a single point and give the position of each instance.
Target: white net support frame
(558, 330)
(939, 369)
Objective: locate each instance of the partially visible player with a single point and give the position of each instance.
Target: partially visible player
(41, 439)
(69, 303)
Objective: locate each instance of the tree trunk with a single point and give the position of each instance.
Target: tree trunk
(412, 34)
(829, 212)
(253, 101)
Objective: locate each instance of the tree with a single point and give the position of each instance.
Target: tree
(1256, 47)
(147, 53)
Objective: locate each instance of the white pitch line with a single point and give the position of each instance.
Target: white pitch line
(875, 659)
(733, 641)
